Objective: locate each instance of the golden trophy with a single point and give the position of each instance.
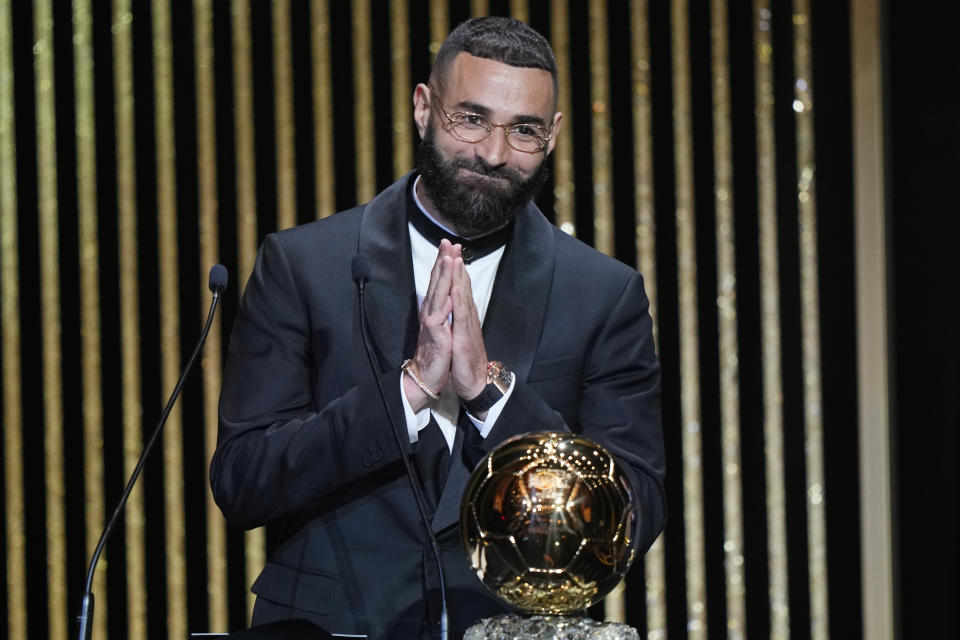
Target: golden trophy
(547, 523)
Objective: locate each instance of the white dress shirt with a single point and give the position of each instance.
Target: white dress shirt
(482, 273)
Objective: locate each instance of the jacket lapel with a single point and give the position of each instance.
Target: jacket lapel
(392, 307)
(514, 321)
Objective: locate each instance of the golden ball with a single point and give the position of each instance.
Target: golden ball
(547, 522)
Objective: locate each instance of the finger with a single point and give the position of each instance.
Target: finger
(461, 290)
(468, 356)
(443, 313)
(446, 248)
(438, 290)
(456, 280)
(434, 274)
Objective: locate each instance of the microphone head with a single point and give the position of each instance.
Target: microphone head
(218, 278)
(360, 268)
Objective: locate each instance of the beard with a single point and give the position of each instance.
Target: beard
(481, 203)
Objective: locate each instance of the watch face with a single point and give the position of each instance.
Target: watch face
(499, 375)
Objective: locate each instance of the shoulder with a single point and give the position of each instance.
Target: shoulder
(571, 265)
(578, 258)
(295, 259)
(543, 240)
(333, 231)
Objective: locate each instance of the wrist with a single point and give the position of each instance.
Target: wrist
(498, 382)
(415, 396)
(474, 390)
(418, 393)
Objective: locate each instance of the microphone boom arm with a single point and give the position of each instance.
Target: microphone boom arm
(361, 273)
(218, 282)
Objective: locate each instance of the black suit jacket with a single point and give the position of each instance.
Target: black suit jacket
(304, 442)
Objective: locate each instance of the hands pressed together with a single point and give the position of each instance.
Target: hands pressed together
(450, 344)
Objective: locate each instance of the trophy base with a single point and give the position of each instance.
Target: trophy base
(511, 626)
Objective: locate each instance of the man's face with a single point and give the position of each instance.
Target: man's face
(479, 187)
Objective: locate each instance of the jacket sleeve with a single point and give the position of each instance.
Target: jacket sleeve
(277, 450)
(618, 405)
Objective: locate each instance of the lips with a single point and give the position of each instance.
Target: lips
(471, 176)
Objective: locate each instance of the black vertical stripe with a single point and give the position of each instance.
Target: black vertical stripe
(341, 68)
(581, 104)
(110, 327)
(661, 74)
(261, 45)
(837, 282)
(302, 60)
(924, 278)
(70, 346)
(191, 404)
(791, 345)
(31, 358)
(620, 110)
(702, 109)
(381, 53)
(149, 279)
(750, 356)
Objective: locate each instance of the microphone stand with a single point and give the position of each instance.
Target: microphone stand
(218, 282)
(361, 273)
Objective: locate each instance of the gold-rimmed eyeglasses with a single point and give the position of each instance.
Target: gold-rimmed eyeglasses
(473, 127)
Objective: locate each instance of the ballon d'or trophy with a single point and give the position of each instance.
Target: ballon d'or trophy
(547, 522)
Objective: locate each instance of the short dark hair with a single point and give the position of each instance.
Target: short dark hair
(498, 38)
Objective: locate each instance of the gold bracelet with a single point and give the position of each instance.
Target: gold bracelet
(407, 368)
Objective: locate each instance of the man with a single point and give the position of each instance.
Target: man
(487, 322)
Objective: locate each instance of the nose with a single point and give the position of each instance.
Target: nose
(494, 150)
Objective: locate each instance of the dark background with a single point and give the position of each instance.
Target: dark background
(923, 165)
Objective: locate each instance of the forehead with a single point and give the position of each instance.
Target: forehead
(505, 91)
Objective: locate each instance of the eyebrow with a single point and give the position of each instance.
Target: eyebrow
(481, 110)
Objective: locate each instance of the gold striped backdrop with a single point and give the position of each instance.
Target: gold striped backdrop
(50, 305)
(132, 408)
(770, 322)
(90, 325)
(141, 143)
(207, 222)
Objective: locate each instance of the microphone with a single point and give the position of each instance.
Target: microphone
(217, 283)
(360, 272)
(218, 279)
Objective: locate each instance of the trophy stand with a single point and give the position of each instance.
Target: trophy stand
(541, 627)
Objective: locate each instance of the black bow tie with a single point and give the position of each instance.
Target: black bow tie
(472, 249)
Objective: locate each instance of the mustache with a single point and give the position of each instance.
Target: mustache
(480, 167)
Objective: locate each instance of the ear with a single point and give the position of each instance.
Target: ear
(421, 108)
(557, 118)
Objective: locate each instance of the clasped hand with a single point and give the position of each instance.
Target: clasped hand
(450, 343)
